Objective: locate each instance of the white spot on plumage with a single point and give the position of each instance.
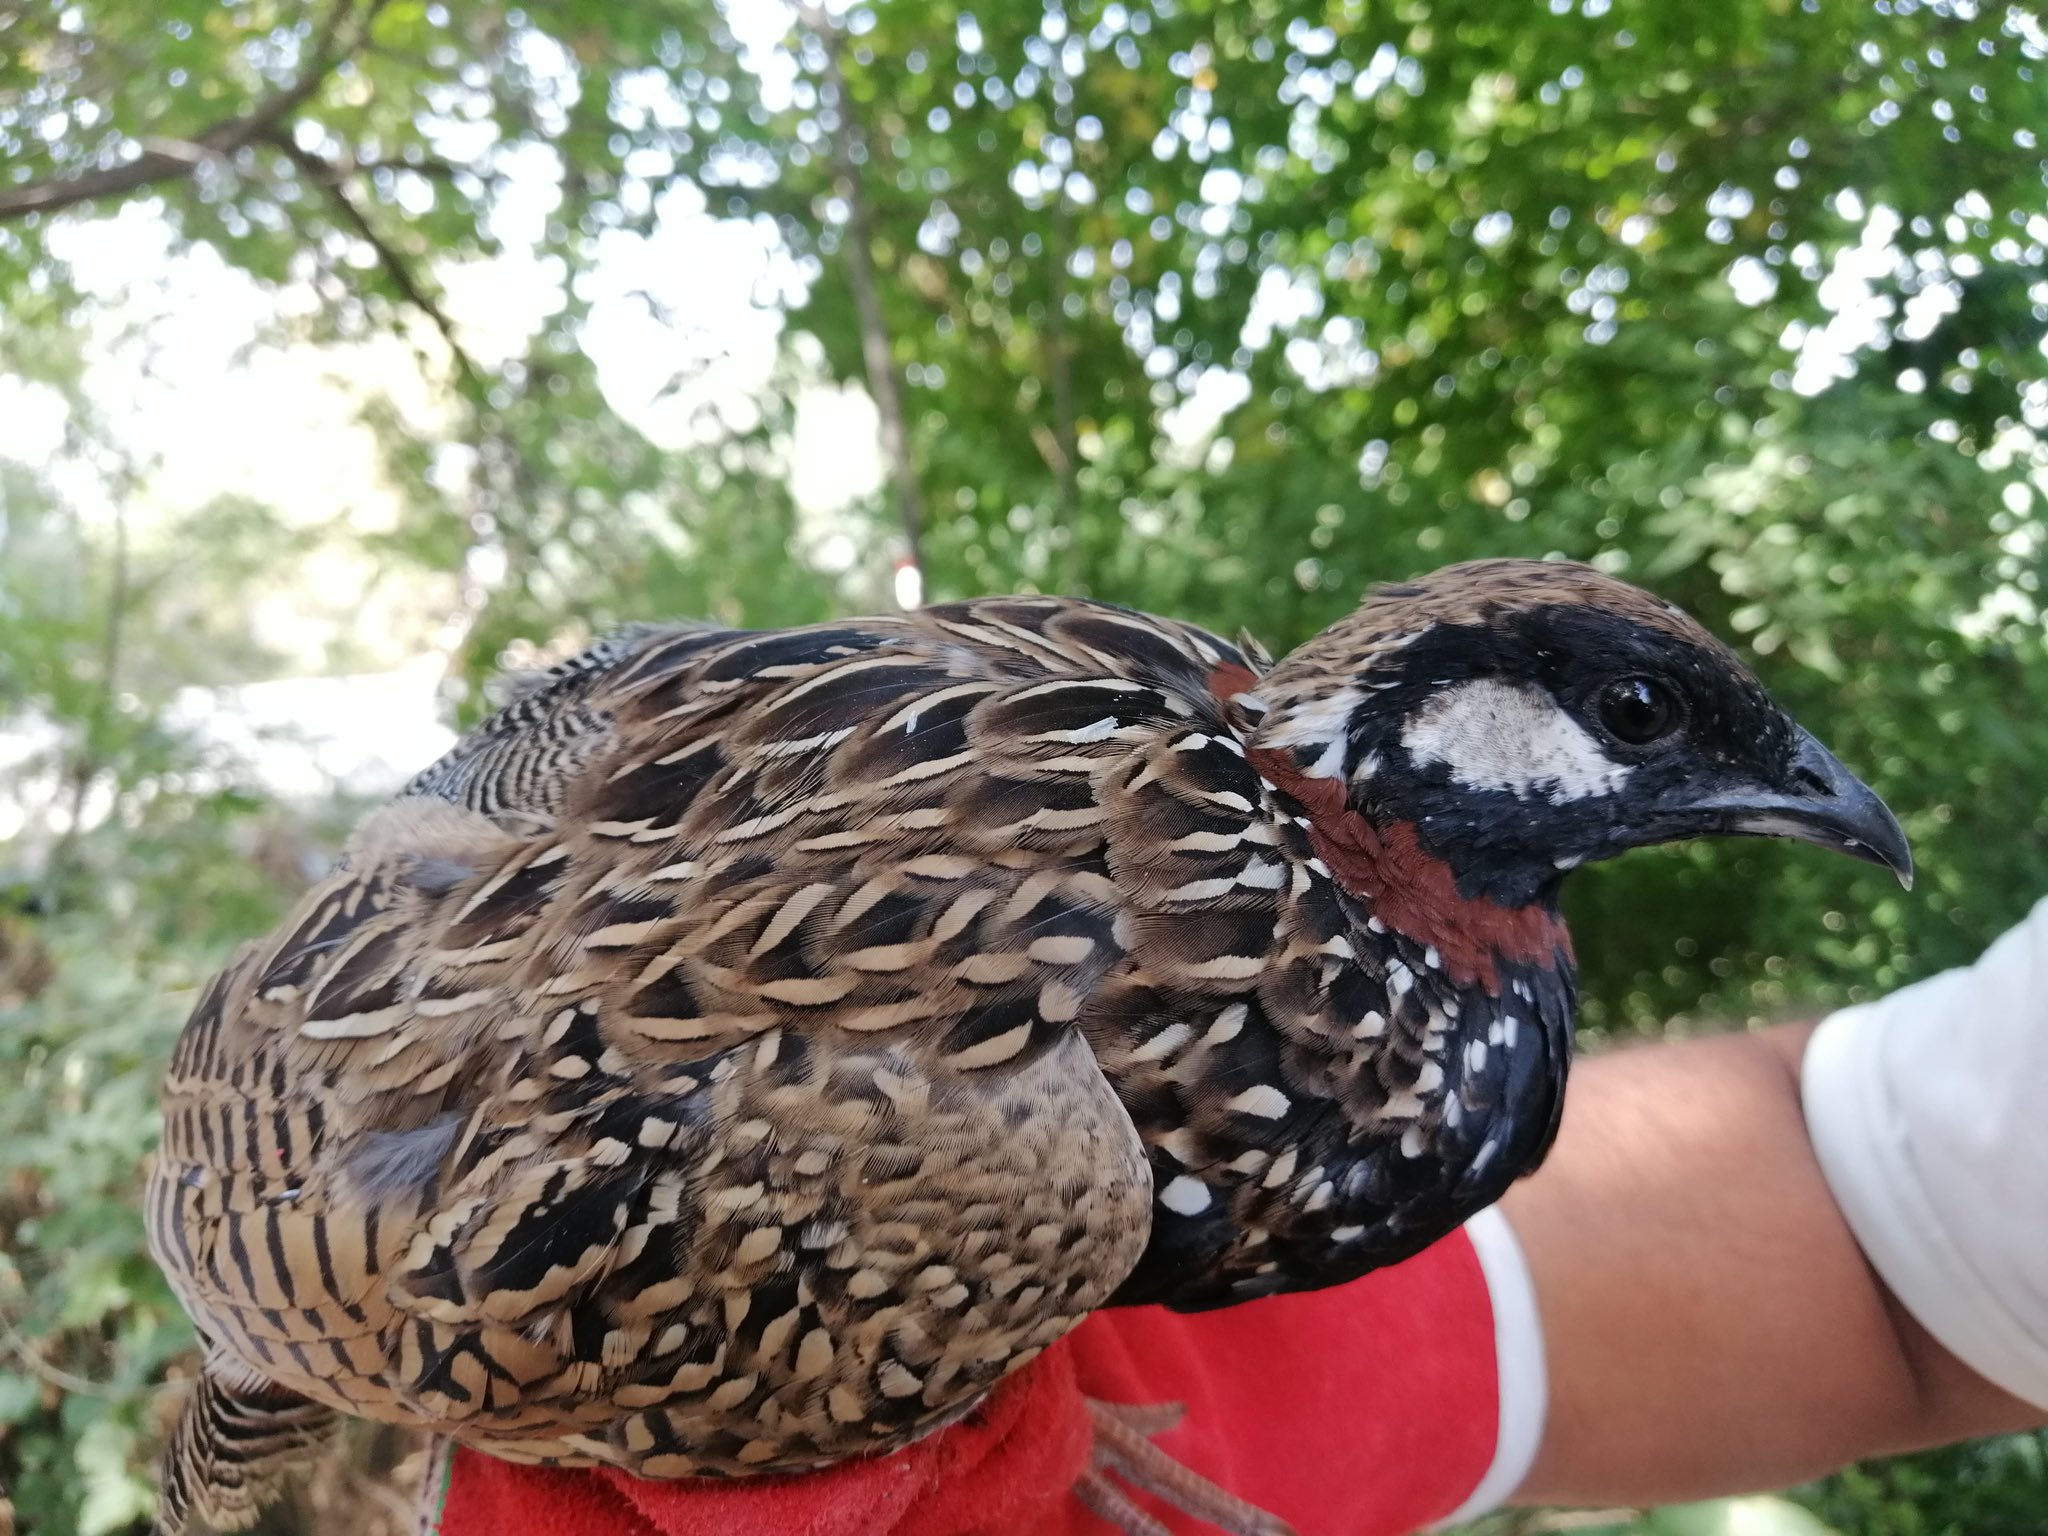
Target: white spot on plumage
(1058, 1003)
(1185, 1196)
(1098, 730)
(1262, 1100)
(354, 1026)
(823, 741)
(917, 772)
(1061, 949)
(442, 1007)
(1211, 842)
(1263, 875)
(1163, 1044)
(1200, 890)
(1227, 1024)
(991, 1052)
(1498, 736)
(1330, 764)
(1411, 1141)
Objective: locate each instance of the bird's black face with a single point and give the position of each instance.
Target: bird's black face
(1523, 743)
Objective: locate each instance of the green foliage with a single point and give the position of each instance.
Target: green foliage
(87, 1325)
(1995, 1489)
(92, 1323)
(1224, 310)
(1756, 1516)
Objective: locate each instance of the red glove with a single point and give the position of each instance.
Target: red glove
(1366, 1410)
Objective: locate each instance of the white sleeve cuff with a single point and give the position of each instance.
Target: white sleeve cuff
(1518, 1359)
(1925, 1112)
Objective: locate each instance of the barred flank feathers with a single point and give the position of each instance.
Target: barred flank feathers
(232, 1451)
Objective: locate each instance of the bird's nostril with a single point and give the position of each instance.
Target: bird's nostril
(1807, 779)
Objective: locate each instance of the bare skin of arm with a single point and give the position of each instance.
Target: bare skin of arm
(1711, 1326)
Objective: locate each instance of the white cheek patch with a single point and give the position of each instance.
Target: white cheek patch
(1494, 735)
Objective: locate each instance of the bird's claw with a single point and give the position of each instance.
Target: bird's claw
(1123, 1445)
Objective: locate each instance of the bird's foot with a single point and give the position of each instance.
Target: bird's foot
(1123, 1445)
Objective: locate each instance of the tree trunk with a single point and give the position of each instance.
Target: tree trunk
(884, 378)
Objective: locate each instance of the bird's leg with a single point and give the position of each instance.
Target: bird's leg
(1123, 1445)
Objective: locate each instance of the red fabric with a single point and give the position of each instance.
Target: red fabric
(1005, 1469)
(1366, 1410)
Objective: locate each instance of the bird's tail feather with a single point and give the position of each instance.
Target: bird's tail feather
(232, 1450)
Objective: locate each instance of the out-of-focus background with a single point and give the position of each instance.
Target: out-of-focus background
(352, 351)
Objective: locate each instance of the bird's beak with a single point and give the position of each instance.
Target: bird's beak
(1825, 804)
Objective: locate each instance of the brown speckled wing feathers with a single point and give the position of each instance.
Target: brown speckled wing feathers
(684, 1075)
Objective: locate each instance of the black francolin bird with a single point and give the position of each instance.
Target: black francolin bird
(745, 1048)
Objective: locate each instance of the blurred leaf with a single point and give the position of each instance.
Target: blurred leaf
(1734, 1517)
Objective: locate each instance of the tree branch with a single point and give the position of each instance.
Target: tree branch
(24, 1350)
(433, 167)
(332, 180)
(501, 473)
(884, 379)
(95, 749)
(1063, 453)
(1059, 347)
(164, 159)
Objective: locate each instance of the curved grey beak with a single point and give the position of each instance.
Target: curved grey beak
(1826, 804)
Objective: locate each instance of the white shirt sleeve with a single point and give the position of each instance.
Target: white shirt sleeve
(1518, 1358)
(1928, 1111)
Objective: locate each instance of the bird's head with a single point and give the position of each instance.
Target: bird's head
(1518, 718)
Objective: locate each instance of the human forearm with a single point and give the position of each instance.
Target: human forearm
(1710, 1323)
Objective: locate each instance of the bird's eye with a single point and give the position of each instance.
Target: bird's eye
(1637, 710)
